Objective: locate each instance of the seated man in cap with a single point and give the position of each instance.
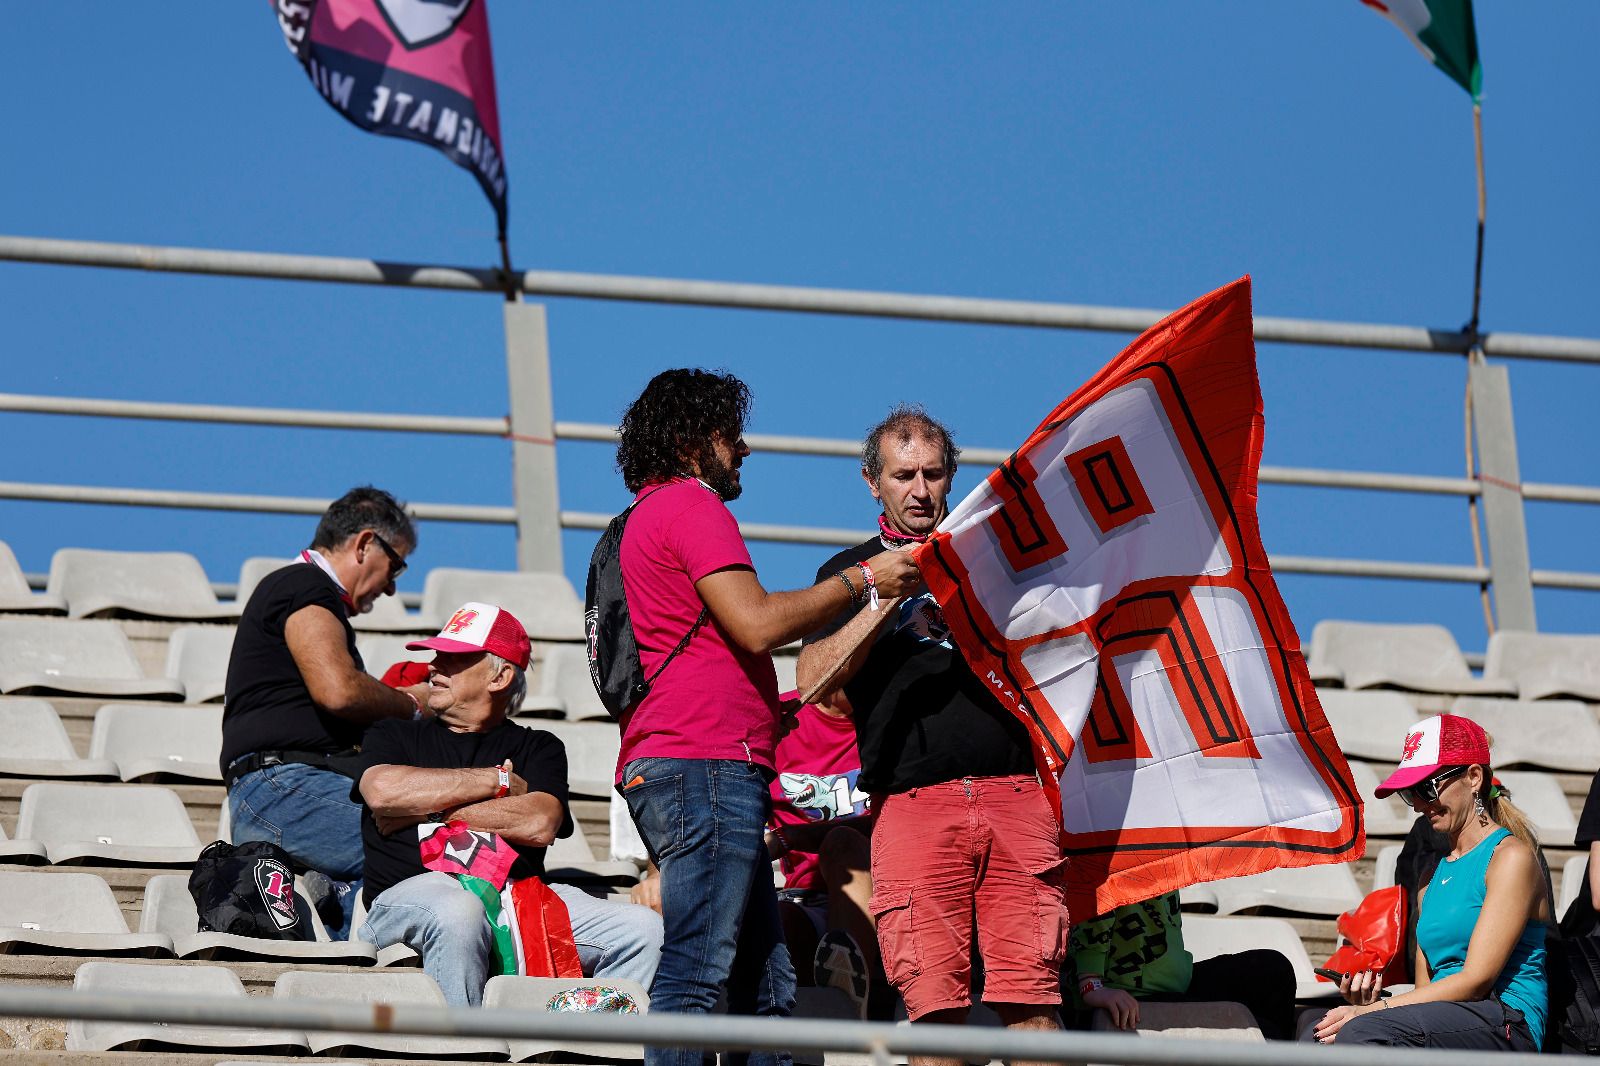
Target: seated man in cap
(508, 784)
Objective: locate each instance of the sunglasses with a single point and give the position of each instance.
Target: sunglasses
(397, 565)
(1424, 793)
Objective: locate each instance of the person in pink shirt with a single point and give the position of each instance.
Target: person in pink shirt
(697, 752)
(819, 832)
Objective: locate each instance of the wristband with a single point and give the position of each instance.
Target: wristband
(783, 841)
(872, 587)
(416, 707)
(504, 788)
(1090, 984)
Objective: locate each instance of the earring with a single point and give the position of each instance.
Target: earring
(1479, 810)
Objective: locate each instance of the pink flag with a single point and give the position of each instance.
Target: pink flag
(418, 69)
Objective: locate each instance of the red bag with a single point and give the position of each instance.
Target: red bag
(1374, 937)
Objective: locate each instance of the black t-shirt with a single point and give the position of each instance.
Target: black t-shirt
(922, 716)
(1580, 919)
(267, 706)
(539, 758)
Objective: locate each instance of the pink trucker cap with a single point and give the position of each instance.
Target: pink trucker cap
(481, 627)
(1434, 743)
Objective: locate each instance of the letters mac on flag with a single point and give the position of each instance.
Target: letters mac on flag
(418, 69)
(1109, 581)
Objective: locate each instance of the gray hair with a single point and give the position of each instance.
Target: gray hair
(519, 682)
(905, 422)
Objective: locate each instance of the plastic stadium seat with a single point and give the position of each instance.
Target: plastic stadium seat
(1207, 937)
(136, 584)
(251, 571)
(1328, 890)
(1386, 817)
(565, 686)
(1419, 658)
(1371, 724)
(591, 755)
(626, 846)
(122, 825)
(1541, 799)
(121, 978)
(169, 909)
(68, 914)
(532, 995)
(36, 744)
(389, 615)
(15, 595)
(22, 852)
(382, 986)
(198, 657)
(1542, 665)
(39, 656)
(381, 651)
(1189, 1021)
(784, 667)
(1383, 868)
(225, 820)
(571, 860)
(159, 743)
(1554, 734)
(545, 603)
(1572, 882)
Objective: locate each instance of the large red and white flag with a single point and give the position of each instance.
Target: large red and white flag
(1109, 581)
(417, 69)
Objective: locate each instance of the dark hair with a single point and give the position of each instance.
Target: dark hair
(904, 422)
(361, 508)
(671, 424)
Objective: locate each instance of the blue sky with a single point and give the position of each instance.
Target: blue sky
(1129, 154)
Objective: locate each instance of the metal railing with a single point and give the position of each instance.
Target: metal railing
(882, 1041)
(533, 430)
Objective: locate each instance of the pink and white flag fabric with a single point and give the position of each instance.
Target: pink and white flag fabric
(417, 69)
(1109, 581)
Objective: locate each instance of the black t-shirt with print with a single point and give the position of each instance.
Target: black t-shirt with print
(539, 758)
(922, 716)
(267, 706)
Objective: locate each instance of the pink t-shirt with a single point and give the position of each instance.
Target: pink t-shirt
(715, 700)
(817, 769)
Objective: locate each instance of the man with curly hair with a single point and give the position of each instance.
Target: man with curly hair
(697, 752)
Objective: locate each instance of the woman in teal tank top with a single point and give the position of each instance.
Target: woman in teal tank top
(1480, 966)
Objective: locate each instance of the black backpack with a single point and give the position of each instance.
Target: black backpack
(248, 890)
(614, 664)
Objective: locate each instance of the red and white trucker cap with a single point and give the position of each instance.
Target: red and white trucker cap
(481, 627)
(1434, 743)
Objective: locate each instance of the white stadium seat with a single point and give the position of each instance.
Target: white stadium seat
(1419, 658)
(545, 603)
(22, 852)
(533, 995)
(197, 982)
(564, 685)
(591, 755)
(158, 743)
(389, 615)
(1543, 665)
(1386, 817)
(251, 571)
(1541, 799)
(198, 657)
(1553, 734)
(36, 744)
(1327, 890)
(382, 986)
(1572, 882)
(15, 595)
(169, 909)
(1207, 936)
(123, 825)
(68, 914)
(571, 860)
(1383, 869)
(49, 656)
(134, 584)
(1370, 724)
(1189, 1021)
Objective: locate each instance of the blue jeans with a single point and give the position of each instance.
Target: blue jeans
(703, 821)
(306, 811)
(447, 926)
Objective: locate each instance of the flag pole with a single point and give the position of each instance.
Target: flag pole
(512, 287)
(1477, 266)
(1475, 353)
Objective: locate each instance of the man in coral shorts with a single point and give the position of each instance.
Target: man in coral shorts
(965, 841)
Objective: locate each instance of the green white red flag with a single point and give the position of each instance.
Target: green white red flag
(1443, 32)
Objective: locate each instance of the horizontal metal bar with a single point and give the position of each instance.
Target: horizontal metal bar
(1560, 493)
(218, 501)
(253, 416)
(763, 531)
(722, 1032)
(1564, 579)
(1306, 564)
(767, 297)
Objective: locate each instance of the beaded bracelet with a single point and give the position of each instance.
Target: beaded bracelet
(851, 589)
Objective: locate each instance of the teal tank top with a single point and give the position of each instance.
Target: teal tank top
(1450, 911)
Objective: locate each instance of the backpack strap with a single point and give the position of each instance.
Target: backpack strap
(700, 620)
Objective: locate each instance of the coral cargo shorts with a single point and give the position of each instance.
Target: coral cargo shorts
(982, 851)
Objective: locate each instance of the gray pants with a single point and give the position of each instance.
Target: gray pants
(1485, 1024)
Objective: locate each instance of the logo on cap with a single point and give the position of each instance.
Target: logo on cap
(460, 620)
(1413, 742)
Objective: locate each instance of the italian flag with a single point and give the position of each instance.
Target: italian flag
(1443, 31)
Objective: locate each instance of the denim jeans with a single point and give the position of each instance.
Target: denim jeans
(447, 926)
(306, 811)
(703, 820)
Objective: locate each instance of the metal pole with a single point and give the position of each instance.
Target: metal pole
(533, 442)
(770, 297)
(1502, 496)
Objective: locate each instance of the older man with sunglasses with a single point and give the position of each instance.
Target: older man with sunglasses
(298, 699)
